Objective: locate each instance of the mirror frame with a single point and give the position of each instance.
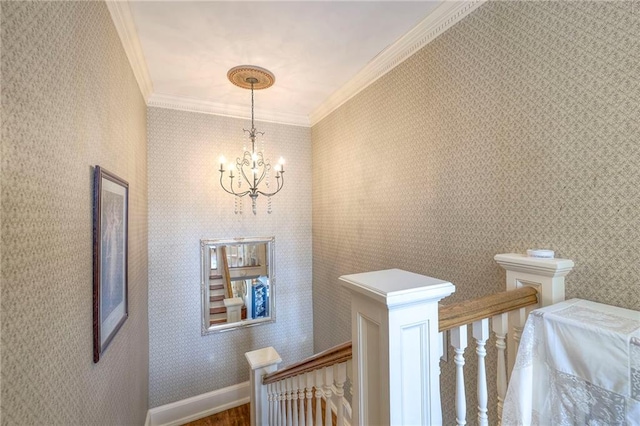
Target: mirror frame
(270, 250)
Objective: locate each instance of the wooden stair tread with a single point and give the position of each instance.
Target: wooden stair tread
(217, 321)
(216, 287)
(217, 310)
(216, 298)
(215, 277)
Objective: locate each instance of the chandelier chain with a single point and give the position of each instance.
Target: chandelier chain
(252, 126)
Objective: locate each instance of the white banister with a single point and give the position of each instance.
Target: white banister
(546, 275)
(328, 383)
(500, 325)
(301, 385)
(272, 406)
(319, 393)
(481, 334)
(261, 361)
(309, 394)
(294, 401)
(340, 378)
(394, 323)
(459, 343)
(283, 404)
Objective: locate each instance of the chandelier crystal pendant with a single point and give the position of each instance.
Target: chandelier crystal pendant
(252, 169)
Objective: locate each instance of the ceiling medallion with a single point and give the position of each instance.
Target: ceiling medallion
(244, 75)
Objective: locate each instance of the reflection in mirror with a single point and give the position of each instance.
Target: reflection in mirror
(238, 282)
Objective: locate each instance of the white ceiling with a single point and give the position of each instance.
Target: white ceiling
(314, 48)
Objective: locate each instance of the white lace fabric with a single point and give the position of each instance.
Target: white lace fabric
(578, 364)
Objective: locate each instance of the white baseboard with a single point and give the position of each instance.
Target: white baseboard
(199, 406)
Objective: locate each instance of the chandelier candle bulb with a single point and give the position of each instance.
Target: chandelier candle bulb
(222, 161)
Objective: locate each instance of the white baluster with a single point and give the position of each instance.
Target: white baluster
(282, 397)
(442, 342)
(318, 386)
(517, 319)
(350, 375)
(308, 378)
(270, 392)
(340, 377)
(294, 401)
(500, 325)
(289, 414)
(481, 334)
(276, 405)
(301, 384)
(459, 343)
(328, 382)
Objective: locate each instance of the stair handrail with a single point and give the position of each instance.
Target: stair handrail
(392, 312)
(335, 355)
(469, 311)
(450, 316)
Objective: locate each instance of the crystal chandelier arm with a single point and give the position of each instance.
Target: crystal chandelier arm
(232, 192)
(280, 181)
(241, 165)
(265, 168)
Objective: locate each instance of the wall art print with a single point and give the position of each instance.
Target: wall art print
(110, 229)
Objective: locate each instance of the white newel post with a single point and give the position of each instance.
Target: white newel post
(234, 309)
(546, 275)
(396, 347)
(262, 361)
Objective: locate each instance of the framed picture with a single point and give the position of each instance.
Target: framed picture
(110, 246)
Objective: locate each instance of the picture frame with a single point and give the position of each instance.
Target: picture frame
(110, 258)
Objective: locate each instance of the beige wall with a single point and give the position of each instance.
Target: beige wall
(186, 204)
(517, 128)
(69, 101)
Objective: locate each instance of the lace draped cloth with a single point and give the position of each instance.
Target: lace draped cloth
(578, 364)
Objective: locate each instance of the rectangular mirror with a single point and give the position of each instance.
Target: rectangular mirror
(238, 283)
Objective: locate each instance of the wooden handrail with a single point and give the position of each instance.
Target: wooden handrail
(462, 313)
(450, 316)
(227, 275)
(335, 355)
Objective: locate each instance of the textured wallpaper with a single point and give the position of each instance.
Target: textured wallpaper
(517, 128)
(69, 101)
(186, 204)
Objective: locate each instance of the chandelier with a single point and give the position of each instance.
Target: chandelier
(252, 170)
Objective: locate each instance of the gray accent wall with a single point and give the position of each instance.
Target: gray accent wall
(186, 204)
(69, 101)
(517, 128)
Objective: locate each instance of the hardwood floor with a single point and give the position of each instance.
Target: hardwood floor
(238, 416)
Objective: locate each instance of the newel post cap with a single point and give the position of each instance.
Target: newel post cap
(534, 265)
(232, 302)
(263, 358)
(395, 287)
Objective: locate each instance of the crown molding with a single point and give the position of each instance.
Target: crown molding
(126, 28)
(442, 18)
(182, 103)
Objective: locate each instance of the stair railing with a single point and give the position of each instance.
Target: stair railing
(298, 394)
(397, 335)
